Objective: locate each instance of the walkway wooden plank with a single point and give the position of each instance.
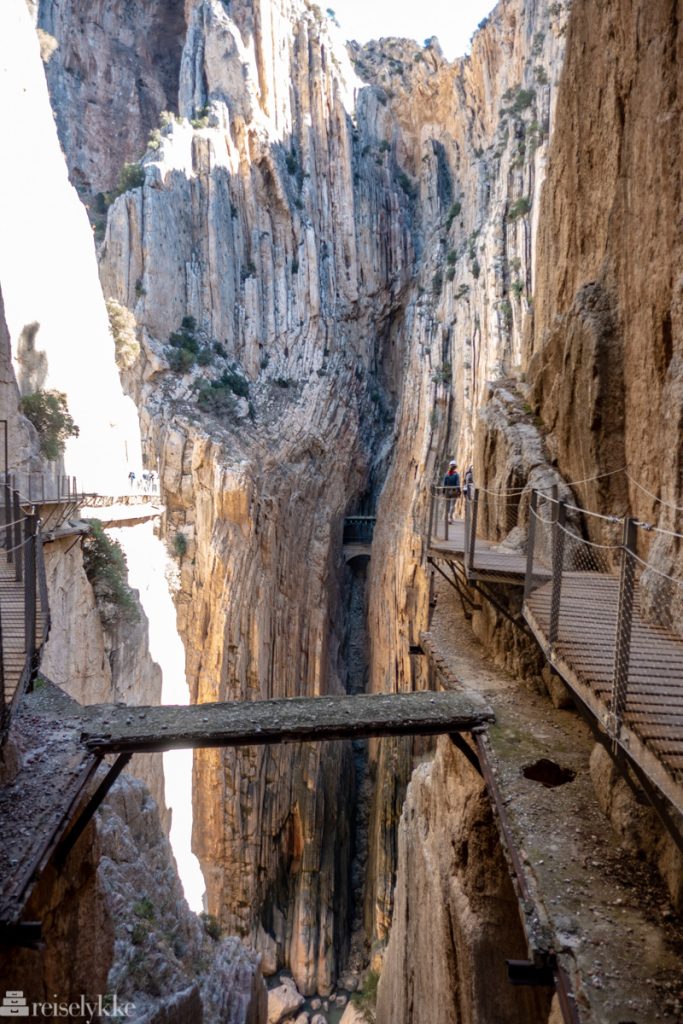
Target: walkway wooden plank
(298, 719)
(491, 563)
(13, 624)
(584, 655)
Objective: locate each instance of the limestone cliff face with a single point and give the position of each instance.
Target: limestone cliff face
(608, 312)
(446, 836)
(254, 220)
(98, 659)
(478, 132)
(355, 251)
(118, 65)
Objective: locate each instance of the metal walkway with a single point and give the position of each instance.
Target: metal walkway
(457, 541)
(601, 612)
(604, 617)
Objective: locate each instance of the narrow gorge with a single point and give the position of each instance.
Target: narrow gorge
(283, 280)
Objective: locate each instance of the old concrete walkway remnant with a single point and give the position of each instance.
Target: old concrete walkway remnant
(114, 729)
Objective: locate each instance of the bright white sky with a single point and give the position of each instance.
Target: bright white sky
(452, 22)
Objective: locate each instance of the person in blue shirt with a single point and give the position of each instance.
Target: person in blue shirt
(452, 481)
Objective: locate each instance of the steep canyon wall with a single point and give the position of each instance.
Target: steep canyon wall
(358, 243)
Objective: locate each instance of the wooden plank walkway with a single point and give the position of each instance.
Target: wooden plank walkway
(492, 563)
(299, 719)
(584, 654)
(12, 617)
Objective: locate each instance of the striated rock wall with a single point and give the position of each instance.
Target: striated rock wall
(605, 360)
(118, 65)
(455, 909)
(96, 659)
(255, 221)
(481, 129)
(288, 229)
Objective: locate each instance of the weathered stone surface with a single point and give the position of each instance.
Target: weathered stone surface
(455, 908)
(605, 367)
(98, 658)
(158, 940)
(283, 1001)
(119, 73)
(636, 822)
(352, 1015)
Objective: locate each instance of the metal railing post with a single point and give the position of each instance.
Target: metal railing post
(622, 644)
(2, 670)
(8, 518)
(559, 518)
(468, 516)
(472, 539)
(30, 590)
(18, 556)
(530, 542)
(432, 497)
(42, 584)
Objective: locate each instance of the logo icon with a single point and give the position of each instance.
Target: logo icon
(14, 1005)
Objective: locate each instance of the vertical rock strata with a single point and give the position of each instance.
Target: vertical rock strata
(249, 223)
(115, 921)
(355, 248)
(608, 312)
(453, 922)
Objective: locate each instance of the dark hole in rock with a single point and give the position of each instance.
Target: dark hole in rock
(548, 773)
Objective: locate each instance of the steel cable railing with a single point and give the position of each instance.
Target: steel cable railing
(608, 617)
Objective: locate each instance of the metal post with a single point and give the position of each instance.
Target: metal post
(30, 589)
(42, 487)
(622, 647)
(18, 551)
(431, 518)
(559, 518)
(2, 668)
(530, 541)
(473, 528)
(79, 826)
(444, 495)
(8, 518)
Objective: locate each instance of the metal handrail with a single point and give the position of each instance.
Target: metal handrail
(23, 545)
(42, 587)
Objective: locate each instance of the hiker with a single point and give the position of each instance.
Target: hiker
(131, 480)
(452, 482)
(469, 479)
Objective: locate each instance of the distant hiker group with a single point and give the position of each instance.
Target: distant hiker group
(148, 483)
(453, 482)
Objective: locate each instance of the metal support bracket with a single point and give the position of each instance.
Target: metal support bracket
(71, 838)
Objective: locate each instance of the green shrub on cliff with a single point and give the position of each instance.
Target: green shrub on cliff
(131, 176)
(519, 208)
(365, 1000)
(106, 568)
(49, 414)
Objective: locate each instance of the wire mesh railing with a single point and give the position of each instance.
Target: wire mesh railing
(476, 523)
(606, 615)
(359, 529)
(24, 606)
(44, 487)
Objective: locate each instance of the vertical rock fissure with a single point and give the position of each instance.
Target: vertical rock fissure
(357, 665)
